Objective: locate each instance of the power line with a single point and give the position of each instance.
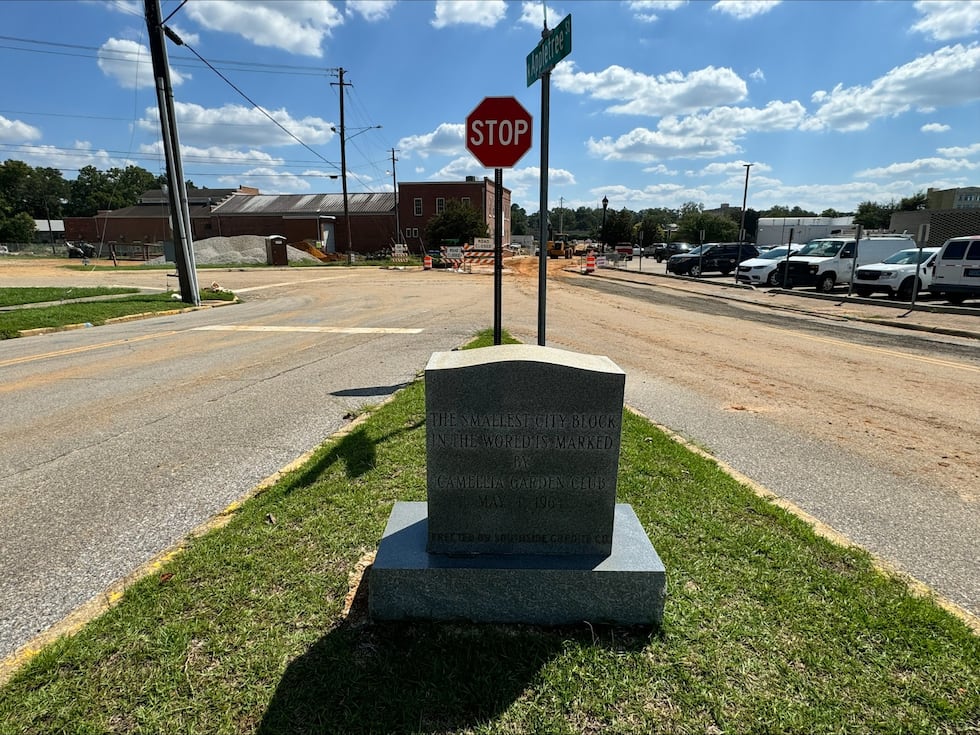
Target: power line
(187, 61)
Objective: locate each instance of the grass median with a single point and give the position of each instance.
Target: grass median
(767, 626)
(72, 312)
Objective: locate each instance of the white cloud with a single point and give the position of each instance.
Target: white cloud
(742, 9)
(758, 76)
(943, 20)
(961, 151)
(641, 145)
(290, 25)
(82, 154)
(445, 140)
(709, 135)
(645, 11)
(532, 14)
(371, 10)
(734, 167)
(15, 131)
(934, 128)
(665, 94)
(920, 166)
(486, 13)
(235, 125)
(218, 155)
(129, 64)
(944, 78)
(268, 181)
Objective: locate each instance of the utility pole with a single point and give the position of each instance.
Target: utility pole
(180, 218)
(343, 158)
(394, 184)
(561, 215)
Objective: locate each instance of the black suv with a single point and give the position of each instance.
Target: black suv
(663, 250)
(712, 256)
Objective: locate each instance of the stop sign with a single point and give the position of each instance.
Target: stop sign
(498, 132)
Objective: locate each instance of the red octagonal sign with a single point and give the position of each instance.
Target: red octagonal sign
(498, 132)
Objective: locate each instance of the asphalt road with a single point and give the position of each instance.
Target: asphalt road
(117, 441)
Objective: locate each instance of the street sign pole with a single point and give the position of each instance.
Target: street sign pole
(554, 46)
(498, 133)
(498, 252)
(543, 208)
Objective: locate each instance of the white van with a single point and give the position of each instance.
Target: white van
(956, 270)
(830, 260)
(895, 275)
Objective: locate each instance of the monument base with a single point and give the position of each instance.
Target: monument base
(407, 583)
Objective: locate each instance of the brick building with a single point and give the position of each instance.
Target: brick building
(418, 202)
(297, 217)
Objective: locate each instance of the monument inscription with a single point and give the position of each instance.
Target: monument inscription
(522, 447)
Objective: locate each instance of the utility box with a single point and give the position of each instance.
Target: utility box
(275, 250)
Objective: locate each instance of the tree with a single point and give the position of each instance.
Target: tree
(518, 220)
(694, 221)
(458, 221)
(831, 213)
(917, 201)
(619, 227)
(18, 228)
(654, 224)
(874, 216)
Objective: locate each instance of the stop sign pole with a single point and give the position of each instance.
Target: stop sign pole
(498, 133)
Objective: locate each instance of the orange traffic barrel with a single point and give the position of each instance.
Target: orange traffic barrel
(427, 263)
(590, 262)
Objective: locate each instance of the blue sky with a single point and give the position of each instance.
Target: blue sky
(659, 103)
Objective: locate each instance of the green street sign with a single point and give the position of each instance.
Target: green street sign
(550, 51)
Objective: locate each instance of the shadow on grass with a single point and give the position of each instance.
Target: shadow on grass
(423, 677)
(356, 450)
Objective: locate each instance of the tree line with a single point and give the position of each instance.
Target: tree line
(690, 223)
(28, 193)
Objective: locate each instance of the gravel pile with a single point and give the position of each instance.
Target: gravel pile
(237, 250)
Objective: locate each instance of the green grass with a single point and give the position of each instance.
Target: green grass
(767, 627)
(13, 322)
(18, 296)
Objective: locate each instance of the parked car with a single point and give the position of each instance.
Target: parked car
(896, 274)
(761, 270)
(712, 256)
(828, 261)
(956, 270)
(663, 250)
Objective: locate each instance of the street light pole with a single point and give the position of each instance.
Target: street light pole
(745, 196)
(602, 232)
(741, 231)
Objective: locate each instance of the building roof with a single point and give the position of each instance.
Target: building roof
(306, 204)
(194, 196)
(41, 225)
(142, 211)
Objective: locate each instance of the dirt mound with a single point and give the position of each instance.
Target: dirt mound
(237, 250)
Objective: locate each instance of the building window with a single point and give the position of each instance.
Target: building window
(465, 201)
(418, 206)
(440, 205)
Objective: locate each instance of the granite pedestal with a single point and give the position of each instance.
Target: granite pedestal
(626, 587)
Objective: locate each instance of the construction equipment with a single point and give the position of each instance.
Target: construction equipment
(560, 247)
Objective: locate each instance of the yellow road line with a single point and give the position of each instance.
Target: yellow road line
(86, 348)
(325, 330)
